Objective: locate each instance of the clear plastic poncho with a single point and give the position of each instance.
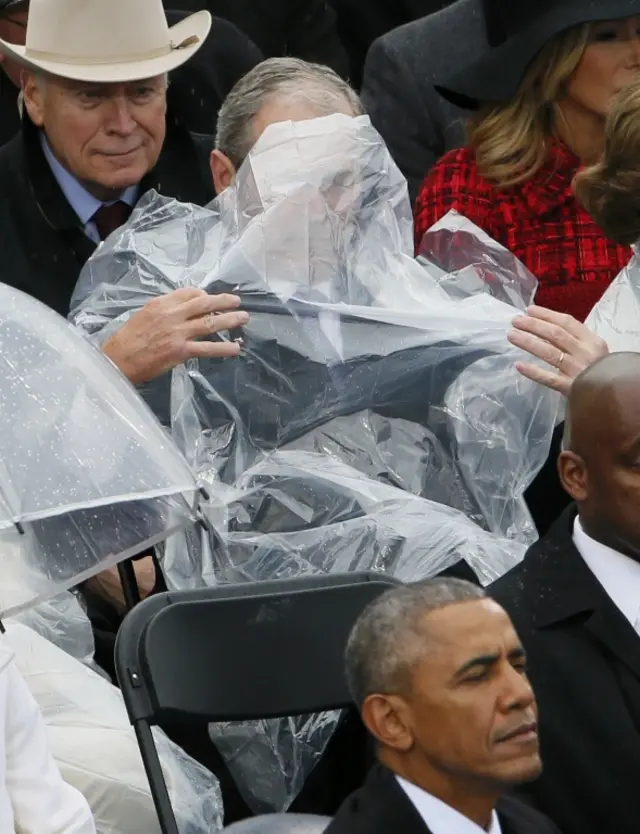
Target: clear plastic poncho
(616, 317)
(374, 420)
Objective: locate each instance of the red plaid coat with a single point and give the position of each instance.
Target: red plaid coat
(540, 221)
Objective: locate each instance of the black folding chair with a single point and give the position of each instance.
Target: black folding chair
(237, 652)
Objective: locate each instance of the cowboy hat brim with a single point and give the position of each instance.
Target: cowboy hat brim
(496, 76)
(187, 37)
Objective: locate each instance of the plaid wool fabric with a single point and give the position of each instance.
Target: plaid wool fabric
(540, 221)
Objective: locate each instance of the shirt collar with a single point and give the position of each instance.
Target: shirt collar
(441, 818)
(618, 574)
(84, 204)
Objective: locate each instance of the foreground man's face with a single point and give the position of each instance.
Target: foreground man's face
(107, 135)
(471, 708)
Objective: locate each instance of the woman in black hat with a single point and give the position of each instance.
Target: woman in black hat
(540, 101)
(610, 191)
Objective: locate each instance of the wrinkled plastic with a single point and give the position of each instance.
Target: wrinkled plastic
(96, 750)
(374, 420)
(296, 513)
(87, 475)
(616, 316)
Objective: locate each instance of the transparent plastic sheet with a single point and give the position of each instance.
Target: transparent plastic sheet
(63, 622)
(356, 356)
(96, 749)
(87, 475)
(295, 513)
(616, 317)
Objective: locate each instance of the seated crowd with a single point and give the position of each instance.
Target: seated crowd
(513, 709)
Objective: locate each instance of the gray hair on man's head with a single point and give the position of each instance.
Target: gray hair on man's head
(281, 78)
(386, 641)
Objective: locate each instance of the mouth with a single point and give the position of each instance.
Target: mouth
(120, 154)
(524, 734)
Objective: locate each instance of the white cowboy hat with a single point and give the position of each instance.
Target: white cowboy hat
(106, 41)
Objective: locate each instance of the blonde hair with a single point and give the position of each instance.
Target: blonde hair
(610, 190)
(509, 139)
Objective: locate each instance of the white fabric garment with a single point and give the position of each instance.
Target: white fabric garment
(34, 799)
(441, 818)
(619, 575)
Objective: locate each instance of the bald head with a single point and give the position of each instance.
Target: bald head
(599, 398)
(600, 463)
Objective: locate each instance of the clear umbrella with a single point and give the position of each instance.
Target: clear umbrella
(88, 477)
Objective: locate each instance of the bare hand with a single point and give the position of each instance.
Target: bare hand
(172, 328)
(561, 341)
(107, 584)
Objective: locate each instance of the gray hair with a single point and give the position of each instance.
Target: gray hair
(282, 78)
(386, 640)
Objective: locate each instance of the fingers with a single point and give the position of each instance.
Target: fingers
(205, 303)
(561, 320)
(538, 347)
(211, 323)
(554, 381)
(554, 334)
(212, 350)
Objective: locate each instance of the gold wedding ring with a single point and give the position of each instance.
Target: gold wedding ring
(560, 359)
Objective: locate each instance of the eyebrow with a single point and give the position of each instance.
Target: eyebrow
(484, 660)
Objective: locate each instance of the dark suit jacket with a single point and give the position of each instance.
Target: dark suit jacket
(301, 28)
(417, 124)
(382, 807)
(360, 22)
(584, 664)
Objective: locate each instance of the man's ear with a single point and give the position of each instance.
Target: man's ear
(573, 475)
(387, 719)
(222, 171)
(32, 97)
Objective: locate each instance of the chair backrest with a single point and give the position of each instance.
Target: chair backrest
(241, 652)
(281, 824)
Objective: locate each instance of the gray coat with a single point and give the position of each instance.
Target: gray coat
(418, 125)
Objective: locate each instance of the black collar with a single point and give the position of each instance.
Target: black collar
(559, 589)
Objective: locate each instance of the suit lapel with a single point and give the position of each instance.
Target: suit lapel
(563, 588)
(614, 631)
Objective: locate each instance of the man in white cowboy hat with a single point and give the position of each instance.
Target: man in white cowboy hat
(197, 88)
(95, 135)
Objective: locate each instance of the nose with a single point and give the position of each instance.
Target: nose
(120, 120)
(517, 693)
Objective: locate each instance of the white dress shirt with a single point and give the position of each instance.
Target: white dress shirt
(84, 204)
(441, 818)
(619, 575)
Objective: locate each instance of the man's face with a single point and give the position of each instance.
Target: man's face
(470, 708)
(13, 29)
(107, 135)
(605, 481)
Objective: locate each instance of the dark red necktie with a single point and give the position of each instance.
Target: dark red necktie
(111, 217)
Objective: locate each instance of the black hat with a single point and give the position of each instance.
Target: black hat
(528, 26)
